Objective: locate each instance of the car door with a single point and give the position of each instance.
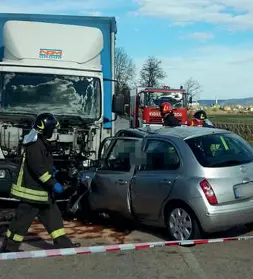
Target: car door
(152, 183)
(110, 185)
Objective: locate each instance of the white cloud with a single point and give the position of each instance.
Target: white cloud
(222, 71)
(233, 13)
(201, 36)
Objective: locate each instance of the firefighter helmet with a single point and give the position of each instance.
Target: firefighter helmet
(200, 114)
(165, 108)
(45, 124)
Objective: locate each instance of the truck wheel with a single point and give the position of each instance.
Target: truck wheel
(181, 223)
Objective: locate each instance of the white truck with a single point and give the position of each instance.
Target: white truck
(63, 65)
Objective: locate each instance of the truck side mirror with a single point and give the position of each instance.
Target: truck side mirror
(190, 100)
(118, 104)
(127, 109)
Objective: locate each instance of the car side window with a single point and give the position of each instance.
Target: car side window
(161, 155)
(121, 155)
(128, 134)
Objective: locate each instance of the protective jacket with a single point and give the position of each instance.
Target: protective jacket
(170, 120)
(35, 179)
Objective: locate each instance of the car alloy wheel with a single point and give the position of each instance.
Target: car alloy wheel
(182, 224)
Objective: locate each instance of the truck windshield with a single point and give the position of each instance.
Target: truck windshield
(176, 99)
(58, 94)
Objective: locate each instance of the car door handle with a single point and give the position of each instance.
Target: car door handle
(165, 181)
(122, 182)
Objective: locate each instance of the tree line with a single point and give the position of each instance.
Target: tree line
(151, 74)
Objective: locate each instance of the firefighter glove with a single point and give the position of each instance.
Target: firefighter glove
(58, 188)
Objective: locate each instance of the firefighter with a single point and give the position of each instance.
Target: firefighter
(169, 119)
(195, 122)
(201, 115)
(35, 187)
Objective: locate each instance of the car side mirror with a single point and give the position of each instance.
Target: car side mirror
(118, 104)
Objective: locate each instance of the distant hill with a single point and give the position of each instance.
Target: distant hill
(228, 102)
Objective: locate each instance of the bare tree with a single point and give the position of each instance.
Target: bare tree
(193, 88)
(124, 70)
(151, 73)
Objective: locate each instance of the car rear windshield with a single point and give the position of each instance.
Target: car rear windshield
(221, 150)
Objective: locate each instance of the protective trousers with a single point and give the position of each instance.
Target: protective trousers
(48, 214)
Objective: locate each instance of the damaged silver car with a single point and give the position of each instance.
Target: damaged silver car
(189, 180)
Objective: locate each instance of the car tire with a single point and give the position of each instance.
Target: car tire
(249, 226)
(182, 223)
(122, 223)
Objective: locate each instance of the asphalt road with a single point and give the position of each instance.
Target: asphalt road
(223, 260)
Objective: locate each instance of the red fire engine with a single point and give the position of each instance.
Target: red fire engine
(145, 103)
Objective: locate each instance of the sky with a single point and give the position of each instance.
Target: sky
(210, 41)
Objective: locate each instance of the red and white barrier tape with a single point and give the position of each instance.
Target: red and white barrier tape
(112, 248)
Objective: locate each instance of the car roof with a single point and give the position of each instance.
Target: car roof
(183, 132)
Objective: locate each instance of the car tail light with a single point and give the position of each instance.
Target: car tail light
(208, 191)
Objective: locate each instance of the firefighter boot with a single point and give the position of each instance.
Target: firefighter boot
(10, 246)
(64, 242)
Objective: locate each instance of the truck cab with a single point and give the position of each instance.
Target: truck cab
(56, 68)
(145, 103)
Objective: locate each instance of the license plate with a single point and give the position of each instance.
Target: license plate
(243, 190)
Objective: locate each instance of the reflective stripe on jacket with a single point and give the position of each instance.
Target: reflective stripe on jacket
(35, 179)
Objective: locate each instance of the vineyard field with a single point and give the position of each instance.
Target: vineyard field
(232, 118)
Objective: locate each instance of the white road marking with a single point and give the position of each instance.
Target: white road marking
(193, 263)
